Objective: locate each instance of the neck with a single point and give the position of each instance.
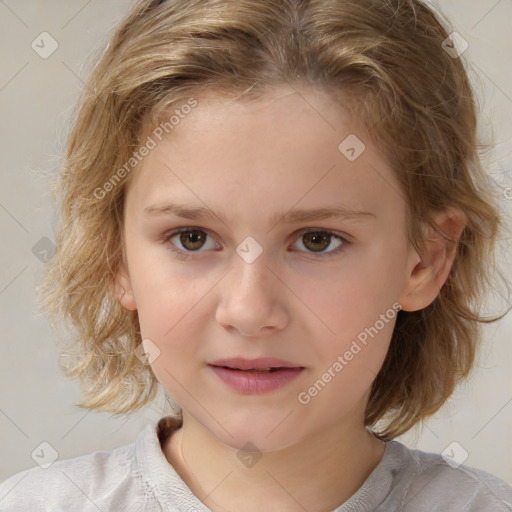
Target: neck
(318, 474)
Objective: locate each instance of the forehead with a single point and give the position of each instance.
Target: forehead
(289, 147)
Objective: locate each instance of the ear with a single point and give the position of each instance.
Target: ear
(427, 276)
(123, 288)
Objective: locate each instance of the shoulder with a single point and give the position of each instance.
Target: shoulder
(426, 481)
(90, 482)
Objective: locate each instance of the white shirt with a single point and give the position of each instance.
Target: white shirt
(138, 477)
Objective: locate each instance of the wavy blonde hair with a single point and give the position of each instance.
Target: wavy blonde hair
(384, 60)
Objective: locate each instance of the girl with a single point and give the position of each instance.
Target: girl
(276, 210)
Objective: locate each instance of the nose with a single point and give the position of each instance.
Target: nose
(253, 299)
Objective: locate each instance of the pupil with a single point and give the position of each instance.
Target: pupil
(318, 237)
(193, 237)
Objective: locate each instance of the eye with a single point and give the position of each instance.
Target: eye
(193, 239)
(319, 240)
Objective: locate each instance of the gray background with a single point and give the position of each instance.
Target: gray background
(36, 97)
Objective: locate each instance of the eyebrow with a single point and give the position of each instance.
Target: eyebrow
(293, 216)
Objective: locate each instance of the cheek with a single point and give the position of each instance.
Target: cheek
(348, 367)
(165, 288)
(171, 304)
(168, 315)
(353, 295)
(176, 330)
(357, 312)
(176, 362)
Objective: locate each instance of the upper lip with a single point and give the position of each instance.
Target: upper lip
(257, 364)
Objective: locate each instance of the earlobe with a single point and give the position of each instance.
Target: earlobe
(123, 288)
(429, 272)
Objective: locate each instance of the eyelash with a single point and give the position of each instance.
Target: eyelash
(188, 255)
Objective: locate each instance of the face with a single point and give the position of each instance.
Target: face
(249, 280)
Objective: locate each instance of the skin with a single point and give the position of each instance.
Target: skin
(246, 162)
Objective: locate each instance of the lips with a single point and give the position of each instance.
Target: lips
(256, 381)
(261, 364)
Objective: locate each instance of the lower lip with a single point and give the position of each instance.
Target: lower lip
(252, 382)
